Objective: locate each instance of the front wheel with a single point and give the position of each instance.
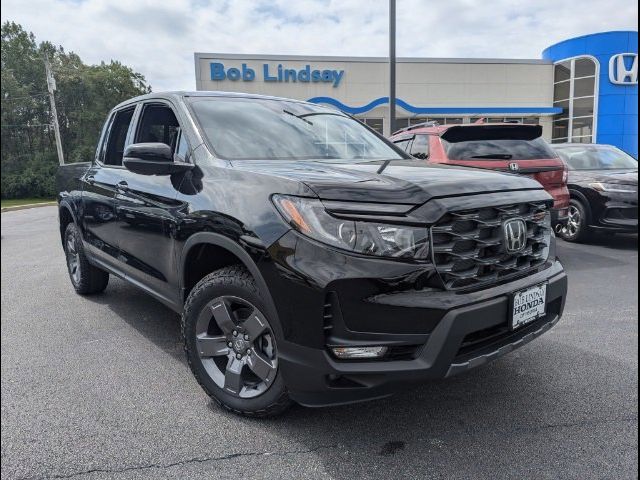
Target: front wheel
(231, 345)
(576, 229)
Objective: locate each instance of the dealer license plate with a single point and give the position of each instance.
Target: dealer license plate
(528, 305)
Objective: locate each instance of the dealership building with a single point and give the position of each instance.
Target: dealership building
(584, 89)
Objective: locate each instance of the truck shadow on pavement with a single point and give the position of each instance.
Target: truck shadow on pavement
(149, 317)
(613, 241)
(537, 406)
(540, 409)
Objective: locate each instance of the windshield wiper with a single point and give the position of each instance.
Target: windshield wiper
(501, 156)
(383, 166)
(301, 117)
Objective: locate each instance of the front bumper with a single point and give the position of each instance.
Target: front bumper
(612, 211)
(437, 333)
(619, 217)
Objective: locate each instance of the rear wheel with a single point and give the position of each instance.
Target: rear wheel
(231, 345)
(85, 278)
(576, 229)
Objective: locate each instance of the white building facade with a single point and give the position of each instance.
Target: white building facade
(448, 90)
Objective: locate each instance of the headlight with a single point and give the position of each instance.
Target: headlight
(614, 187)
(310, 218)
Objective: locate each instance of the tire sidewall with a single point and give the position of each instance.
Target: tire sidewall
(583, 228)
(201, 295)
(72, 230)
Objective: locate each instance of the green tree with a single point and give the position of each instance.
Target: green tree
(85, 94)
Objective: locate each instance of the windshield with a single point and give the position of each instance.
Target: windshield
(602, 157)
(264, 129)
(499, 149)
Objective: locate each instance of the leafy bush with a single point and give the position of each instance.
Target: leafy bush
(84, 96)
(35, 180)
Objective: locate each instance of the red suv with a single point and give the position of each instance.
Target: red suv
(507, 147)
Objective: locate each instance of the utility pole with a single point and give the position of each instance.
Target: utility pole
(51, 87)
(392, 66)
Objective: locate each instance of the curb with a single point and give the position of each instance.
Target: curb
(27, 206)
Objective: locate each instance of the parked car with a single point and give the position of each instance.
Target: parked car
(506, 147)
(603, 184)
(311, 260)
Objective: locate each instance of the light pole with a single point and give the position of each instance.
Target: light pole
(392, 66)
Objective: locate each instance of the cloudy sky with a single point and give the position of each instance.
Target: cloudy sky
(158, 38)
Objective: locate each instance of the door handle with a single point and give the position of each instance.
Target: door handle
(122, 186)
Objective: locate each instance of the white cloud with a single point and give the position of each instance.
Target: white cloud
(158, 38)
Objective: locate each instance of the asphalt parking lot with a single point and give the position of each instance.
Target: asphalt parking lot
(97, 387)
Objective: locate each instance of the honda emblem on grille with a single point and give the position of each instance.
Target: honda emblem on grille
(514, 167)
(515, 235)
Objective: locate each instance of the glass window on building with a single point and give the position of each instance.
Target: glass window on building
(525, 120)
(574, 91)
(401, 123)
(405, 122)
(562, 71)
(417, 120)
(375, 123)
(446, 120)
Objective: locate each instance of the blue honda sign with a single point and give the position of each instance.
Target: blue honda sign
(616, 105)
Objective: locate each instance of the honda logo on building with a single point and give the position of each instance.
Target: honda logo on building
(515, 235)
(623, 69)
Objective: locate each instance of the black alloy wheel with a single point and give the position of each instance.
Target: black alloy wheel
(73, 259)
(236, 346)
(576, 229)
(231, 344)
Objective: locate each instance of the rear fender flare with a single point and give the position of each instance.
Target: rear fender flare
(66, 205)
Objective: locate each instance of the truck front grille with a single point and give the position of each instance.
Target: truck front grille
(468, 246)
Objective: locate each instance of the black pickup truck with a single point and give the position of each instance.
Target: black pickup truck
(312, 261)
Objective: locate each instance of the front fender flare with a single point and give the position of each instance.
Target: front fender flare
(237, 250)
(578, 195)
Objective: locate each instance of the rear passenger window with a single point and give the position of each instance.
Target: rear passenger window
(118, 136)
(420, 147)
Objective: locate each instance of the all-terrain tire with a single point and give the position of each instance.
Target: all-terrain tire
(234, 281)
(85, 278)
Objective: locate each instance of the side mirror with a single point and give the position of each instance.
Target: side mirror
(152, 159)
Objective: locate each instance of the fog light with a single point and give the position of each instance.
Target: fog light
(358, 352)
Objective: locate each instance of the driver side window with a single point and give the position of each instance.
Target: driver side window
(158, 124)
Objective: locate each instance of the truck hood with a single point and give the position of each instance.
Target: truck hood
(402, 181)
